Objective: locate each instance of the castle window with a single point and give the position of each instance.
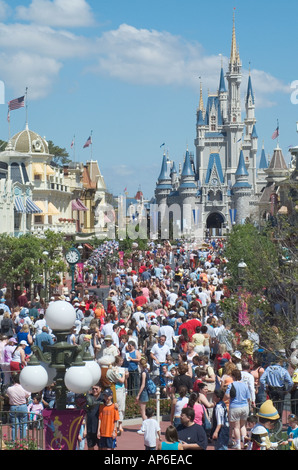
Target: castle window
(213, 123)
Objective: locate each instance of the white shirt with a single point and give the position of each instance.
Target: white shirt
(160, 352)
(169, 333)
(248, 378)
(150, 427)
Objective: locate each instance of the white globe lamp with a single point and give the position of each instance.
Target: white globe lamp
(60, 315)
(78, 379)
(34, 378)
(50, 371)
(95, 371)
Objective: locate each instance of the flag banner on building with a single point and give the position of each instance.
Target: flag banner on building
(121, 258)
(196, 214)
(62, 428)
(88, 142)
(80, 272)
(154, 218)
(72, 144)
(233, 215)
(17, 103)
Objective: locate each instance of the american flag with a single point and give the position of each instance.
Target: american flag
(88, 142)
(17, 103)
(275, 133)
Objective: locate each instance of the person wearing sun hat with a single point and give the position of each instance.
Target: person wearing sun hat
(267, 418)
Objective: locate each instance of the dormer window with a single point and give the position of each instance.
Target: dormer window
(213, 123)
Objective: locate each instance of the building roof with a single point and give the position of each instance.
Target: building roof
(187, 169)
(241, 169)
(250, 91)
(164, 172)
(222, 85)
(254, 134)
(28, 141)
(214, 160)
(277, 161)
(263, 161)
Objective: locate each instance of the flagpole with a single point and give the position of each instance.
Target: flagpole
(74, 148)
(91, 145)
(8, 120)
(26, 94)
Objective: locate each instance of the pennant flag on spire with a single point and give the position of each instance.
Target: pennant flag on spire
(162, 145)
(88, 142)
(72, 143)
(275, 133)
(17, 103)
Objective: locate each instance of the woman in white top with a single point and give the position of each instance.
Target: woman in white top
(177, 405)
(18, 360)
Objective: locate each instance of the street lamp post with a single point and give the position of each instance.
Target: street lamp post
(242, 267)
(69, 366)
(46, 254)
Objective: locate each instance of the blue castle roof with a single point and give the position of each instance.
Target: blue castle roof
(222, 85)
(214, 159)
(164, 175)
(263, 161)
(250, 91)
(254, 134)
(187, 167)
(241, 170)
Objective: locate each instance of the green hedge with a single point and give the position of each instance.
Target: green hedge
(132, 409)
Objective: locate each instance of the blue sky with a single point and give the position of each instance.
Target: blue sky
(129, 71)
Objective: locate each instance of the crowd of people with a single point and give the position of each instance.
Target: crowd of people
(161, 326)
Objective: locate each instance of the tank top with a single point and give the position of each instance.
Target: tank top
(16, 357)
(181, 402)
(169, 446)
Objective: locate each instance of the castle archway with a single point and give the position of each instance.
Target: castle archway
(214, 224)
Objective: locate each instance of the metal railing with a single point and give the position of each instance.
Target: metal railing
(21, 431)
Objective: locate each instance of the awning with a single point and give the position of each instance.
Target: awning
(89, 246)
(37, 169)
(77, 205)
(41, 206)
(19, 205)
(50, 170)
(52, 210)
(32, 208)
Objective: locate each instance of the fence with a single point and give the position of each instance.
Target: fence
(21, 431)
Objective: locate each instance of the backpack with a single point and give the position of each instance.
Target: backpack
(150, 386)
(143, 333)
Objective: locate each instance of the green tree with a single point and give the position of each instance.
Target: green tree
(60, 155)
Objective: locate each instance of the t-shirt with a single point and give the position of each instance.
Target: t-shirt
(108, 415)
(194, 434)
(150, 427)
(242, 394)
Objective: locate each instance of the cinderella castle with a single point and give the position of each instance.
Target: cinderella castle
(221, 184)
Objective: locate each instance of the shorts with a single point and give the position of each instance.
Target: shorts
(237, 414)
(144, 397)
(107, 442)
(92, 440)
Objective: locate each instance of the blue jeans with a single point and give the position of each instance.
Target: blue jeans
(18, 415)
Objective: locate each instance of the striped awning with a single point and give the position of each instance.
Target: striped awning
(19, 205)
(77, 205)
(32, 208)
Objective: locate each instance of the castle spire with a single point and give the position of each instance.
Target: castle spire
(201, 104)
(234, 52)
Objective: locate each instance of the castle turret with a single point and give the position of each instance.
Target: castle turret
(164, 183)
(242, 191)
(187, 192)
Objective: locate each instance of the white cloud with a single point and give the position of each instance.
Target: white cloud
(142, 56)
(29, 70)
(5, 10)
(58, 13)
(49, 42)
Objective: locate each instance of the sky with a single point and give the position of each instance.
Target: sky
(130, 73)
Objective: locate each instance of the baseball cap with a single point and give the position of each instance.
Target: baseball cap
(108, 392)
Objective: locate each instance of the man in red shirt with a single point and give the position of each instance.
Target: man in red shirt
(140, 300)
(190, 325)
